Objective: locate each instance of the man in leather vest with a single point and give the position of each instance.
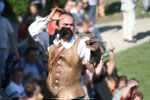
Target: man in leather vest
(65, 57)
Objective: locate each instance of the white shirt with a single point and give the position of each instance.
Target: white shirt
(5, 30)
(37, 27)
(14, 90)
(31, 68)
(92, 2)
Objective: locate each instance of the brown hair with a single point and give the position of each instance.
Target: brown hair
(123, 78)
(30, 88)
(137, 93)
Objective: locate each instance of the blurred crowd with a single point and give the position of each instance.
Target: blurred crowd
(24, 65)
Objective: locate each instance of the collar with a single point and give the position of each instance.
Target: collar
(66, 45)
(13, 83)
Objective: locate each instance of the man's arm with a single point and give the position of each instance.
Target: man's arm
(98, 69)
(128, 89)
(11, 40)
(14, 46)
(82, 51)
(111, 62)
(38, 28)
(38, 33)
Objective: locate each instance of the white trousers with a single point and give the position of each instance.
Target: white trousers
(128, 24)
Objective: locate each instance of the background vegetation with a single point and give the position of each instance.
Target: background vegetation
(135, 63)
(17, 8)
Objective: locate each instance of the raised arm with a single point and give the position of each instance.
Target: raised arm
(40, 25)
(38, 28)
(111, 62)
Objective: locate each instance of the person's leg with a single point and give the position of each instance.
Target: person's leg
(97, 33)
(149, 5)
(146, 4)
(131, 24)
(92, 11)
(3, 57)
(125, 25)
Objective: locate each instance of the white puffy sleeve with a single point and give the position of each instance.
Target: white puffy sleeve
(82, 51)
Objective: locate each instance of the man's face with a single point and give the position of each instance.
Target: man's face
(18, 77)
(66, 22)
(31, 56)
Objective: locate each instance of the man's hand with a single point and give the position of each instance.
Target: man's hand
(111, 48)
(132, 84)
(55, 14)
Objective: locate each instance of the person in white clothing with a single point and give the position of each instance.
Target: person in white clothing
(128, 7)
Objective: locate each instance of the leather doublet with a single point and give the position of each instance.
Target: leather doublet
(64, 78)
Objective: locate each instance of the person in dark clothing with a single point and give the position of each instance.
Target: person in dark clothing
(103, 72)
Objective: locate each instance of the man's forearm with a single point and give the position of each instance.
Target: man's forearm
(38, 26)
(13, 45)
(125, 93)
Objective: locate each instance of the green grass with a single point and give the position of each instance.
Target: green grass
(113, 13)
(135, 63)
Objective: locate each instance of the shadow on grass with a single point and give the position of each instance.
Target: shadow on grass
(141, 35)
(107, 28)
(113, 8)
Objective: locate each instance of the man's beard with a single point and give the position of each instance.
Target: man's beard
(65, 34)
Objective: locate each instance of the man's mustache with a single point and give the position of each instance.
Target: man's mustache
(65, 31)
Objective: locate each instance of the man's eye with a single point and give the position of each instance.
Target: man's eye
(71, 24)
(65, 24)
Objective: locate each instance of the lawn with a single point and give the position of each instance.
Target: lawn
(135, 63)
(113, 13)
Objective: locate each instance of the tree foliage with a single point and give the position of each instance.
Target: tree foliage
(19, 7)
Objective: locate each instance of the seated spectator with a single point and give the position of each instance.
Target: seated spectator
(131, 88)
(82, 25)
(32, 90)
(69, 5)
(137, 96)
(121, 87)
(15, 89)
(31, 64)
